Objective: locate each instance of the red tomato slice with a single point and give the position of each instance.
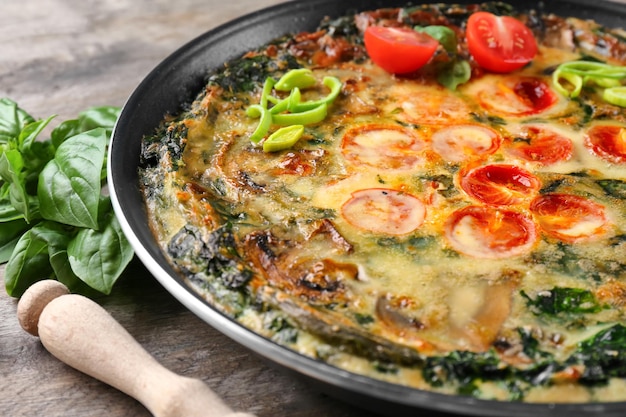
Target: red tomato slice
(607, 141)
(385, 211)
(536, 143)
(499, 43)
(570, 218)
(500, 185)
(426, 104)
(399, 50)
(460, 143)
(388, 147)
(490, 233)
(517, 96)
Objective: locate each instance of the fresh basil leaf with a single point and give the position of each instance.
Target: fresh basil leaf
(454, 75)
(65, 130)
(10, 233)
(8, 213)
(36, 153)
(95, 117)
(28, 264)
(443, 34)
(100, 257)
(29, 134)
(105, 117)
(12, 120)
(11, 167)
(58, 237)
(6, 250)
(70, 185)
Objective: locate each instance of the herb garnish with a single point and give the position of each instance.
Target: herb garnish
(55, 219)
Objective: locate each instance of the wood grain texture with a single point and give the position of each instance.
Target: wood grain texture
(61, 57)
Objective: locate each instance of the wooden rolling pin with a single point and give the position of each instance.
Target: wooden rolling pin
(82, 334)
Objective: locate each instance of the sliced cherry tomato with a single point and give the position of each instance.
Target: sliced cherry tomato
(490, 233)
(399, 50)
(607, 141)
(537, 143)
(570, 218)
(500, 185)
(388, 147)
(426, 104)
(385, 211)
(517, 96)
(460, 143)
(499, 43)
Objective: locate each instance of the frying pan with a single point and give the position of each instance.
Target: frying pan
(175, 82)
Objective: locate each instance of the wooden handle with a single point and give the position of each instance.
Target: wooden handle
(80, 333)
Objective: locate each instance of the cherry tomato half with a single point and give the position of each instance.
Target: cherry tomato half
(607, 141)
(499, 43)
(384, 211)
(570, 218)
(517, 96)
(540, 144)
(490, 233)
(399, 50)
(500, 185)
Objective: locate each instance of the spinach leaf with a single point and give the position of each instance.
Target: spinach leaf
(464, 368)
(70, 185)
(98, 257)
(562, 300)
(603, 356)
(28, 264)
(614, 188)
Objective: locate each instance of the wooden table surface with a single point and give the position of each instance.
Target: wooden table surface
(63, 56)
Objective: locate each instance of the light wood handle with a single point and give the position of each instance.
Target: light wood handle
(82, 334)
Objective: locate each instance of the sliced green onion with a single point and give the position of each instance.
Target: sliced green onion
(289, 112)
(332, 83)
(265, 122)
(290, 103)
(615, 95)
(580, 73)
(607, 82)
(593, 69)
(575, 80)
(302, 118)
(300, 78)
(283, 138)
(267, 91)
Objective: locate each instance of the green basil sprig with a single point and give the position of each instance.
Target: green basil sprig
(55, 220)
(291, 113)
(455, 72)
